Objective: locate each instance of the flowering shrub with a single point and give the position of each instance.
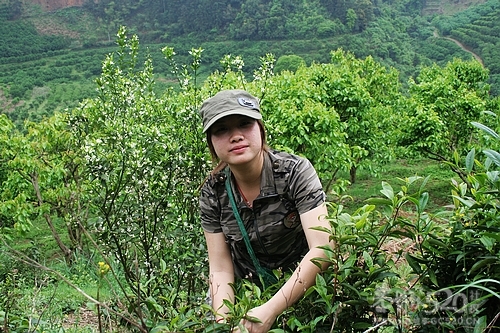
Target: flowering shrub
(144, 159)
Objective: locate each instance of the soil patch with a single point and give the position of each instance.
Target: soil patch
(82, 318)
(49, 28)
(6, 104)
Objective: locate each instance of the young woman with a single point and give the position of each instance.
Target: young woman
(278, 198)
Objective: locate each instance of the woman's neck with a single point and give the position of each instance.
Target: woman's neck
(248, 174)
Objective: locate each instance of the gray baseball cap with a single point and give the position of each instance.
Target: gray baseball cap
(226, 103)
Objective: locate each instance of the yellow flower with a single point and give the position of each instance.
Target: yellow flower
(103, 268)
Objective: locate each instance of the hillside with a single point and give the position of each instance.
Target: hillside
(51, 5)
(177, 18)
(448, 7)
(431, 7)
(52, 50)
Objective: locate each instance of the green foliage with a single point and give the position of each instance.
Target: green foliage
(283, 19)
(289, 63)
(46, 304)
(251, 19)
(299, 122)
(466, 254)
(381, 275)
(473, 14)
(476, 27)
(49, 85)
(19, 38)
(369, 185)
(353, 278)
(338, 115)
(443, 103)
(41, 178)
(125, 166)
(9, 292)
(145, 158)
(394, 34)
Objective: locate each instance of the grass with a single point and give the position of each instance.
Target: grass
(39, 297)
(42, 298)
(368, 185)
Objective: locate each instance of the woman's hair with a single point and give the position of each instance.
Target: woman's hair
(219, 165)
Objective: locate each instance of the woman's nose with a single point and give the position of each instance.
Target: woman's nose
(235, 135)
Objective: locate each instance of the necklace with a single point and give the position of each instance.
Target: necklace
(248, 203)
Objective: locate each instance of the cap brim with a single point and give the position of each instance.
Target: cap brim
(248, 113)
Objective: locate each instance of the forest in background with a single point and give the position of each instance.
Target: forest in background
(49, 60)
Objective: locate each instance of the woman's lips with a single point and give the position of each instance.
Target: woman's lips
(238, 149)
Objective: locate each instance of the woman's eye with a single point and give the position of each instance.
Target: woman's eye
(219, 130)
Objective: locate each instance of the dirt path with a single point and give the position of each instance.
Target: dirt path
(462, 46)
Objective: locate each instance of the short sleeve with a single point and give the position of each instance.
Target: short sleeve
(305, 187)
(209, 209)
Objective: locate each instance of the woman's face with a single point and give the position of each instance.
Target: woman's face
(236, 139)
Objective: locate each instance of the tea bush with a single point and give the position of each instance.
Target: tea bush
(465, 259)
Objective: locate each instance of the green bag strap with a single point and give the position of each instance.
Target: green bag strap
(267, 277)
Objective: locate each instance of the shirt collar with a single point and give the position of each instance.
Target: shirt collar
(267, 186)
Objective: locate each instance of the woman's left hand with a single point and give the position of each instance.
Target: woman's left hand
(265, 320)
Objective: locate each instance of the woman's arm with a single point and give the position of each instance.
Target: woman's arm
(221, 272)
(303, 277)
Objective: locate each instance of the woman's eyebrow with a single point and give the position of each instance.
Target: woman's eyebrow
(219, 122)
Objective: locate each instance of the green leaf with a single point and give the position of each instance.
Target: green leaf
(469, 160)
(368, 259)
(345, 239)
(432, 277)
(362, 325)
(424, 183)
(422, 202)
(360, 224)
(377, 273)
(163, 265)
(384, 275)
(467, 203)
(486, 129)
(480, 325)
(387, 190)
(481, 263)
(493, 155)
(488, 242)
(493, 235)
(352, 288)
(321, 287)
(160, 329)
(379, 201)
(436, 242)
(412, 261)
(242, 328)
(323, 229)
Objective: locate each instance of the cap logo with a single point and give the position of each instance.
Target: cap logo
(246, 103)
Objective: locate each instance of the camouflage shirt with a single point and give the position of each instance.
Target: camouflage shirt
(289, 187)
